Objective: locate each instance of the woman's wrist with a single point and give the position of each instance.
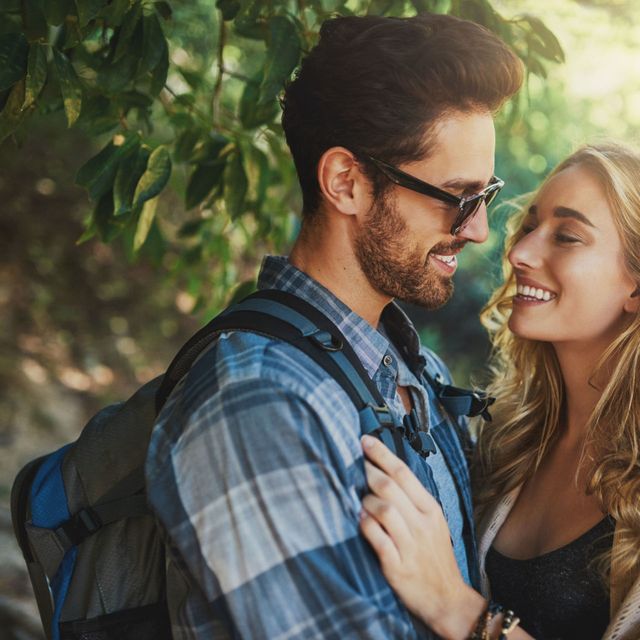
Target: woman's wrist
(458, 620)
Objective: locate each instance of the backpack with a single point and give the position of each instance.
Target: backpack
(94, 552)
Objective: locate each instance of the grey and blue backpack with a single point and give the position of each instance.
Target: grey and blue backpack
(94, 552)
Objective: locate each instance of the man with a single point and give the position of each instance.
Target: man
(255, 468)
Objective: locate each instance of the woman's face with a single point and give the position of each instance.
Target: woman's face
(573, 285)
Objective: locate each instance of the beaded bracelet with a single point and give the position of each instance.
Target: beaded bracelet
(509, 622)
(481, 631)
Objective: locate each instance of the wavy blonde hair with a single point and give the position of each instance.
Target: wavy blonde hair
(528, 385)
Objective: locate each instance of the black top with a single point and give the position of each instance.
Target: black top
(559, 595)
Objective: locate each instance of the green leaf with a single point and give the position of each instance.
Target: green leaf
(144, 222)
(235, 185)
(185, 143)
(13, 114)
(191, 228)
(253, 112)
(154, 178)
(228, 8)
(88, 9)
(209, 149)
(261, 164)
(36, 73)
(12, 6)
(89, 232)
(203, 180)
(99, 115)
(98, 173)
(152, 43)
(69, 86)
(114, 78)
(164, 9)
(34, 23)
(248, 22)
(114, 12)
(56, 11)
(103, 218)
(552, 46)
(536, 67)
(283, 54)
(129, 26)
(129, 171)
(14, 51)
(159, 73)
(155, 245)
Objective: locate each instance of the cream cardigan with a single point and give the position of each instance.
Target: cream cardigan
(625, 597)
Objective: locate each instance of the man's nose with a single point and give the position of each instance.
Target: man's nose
(477, 229)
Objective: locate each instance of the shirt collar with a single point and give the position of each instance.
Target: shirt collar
(369, 345)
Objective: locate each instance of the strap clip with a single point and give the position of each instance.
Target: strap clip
(326, 341)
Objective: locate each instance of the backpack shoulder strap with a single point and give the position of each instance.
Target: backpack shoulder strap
(286, 317)
(458, 401)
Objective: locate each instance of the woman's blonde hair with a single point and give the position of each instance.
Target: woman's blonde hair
(528, 385)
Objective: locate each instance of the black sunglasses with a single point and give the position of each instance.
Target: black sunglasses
(467, 205)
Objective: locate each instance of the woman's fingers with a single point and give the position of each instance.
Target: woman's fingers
(393, 522)
(379, 539)
(399, 472)
(390, 491)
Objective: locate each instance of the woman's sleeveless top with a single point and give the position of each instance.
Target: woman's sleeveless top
(559, 595)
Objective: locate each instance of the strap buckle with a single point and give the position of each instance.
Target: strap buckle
(326, 341)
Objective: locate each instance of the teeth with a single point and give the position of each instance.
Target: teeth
(446, 259)
(533, 292)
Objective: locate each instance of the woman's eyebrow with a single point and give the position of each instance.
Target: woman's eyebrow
(564, 212)
(567, 212)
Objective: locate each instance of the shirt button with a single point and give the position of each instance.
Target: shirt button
(387, 360)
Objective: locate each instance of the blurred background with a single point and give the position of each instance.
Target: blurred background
(84, 324)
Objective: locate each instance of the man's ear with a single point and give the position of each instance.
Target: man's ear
(343, 185)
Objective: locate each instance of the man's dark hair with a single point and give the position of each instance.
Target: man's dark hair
(377, 86)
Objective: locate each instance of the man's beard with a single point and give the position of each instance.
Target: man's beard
(394, 265)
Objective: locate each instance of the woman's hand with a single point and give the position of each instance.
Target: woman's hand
(406, 528)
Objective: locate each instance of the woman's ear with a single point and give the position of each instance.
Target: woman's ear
(343, 185)
(633, 303)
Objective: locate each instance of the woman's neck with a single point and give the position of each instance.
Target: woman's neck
(583, 385)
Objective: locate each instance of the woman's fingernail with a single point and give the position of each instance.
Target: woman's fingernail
(363, 515)
(367, 442)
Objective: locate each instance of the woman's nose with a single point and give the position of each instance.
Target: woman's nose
(526, 252)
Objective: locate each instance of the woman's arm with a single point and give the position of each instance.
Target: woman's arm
(406, 528)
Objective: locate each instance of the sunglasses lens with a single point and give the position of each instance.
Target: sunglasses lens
(465, 213)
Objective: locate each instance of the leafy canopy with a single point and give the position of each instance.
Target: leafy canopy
(186, 94)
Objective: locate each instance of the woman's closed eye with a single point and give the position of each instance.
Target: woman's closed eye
(565, 238)
(560, 236)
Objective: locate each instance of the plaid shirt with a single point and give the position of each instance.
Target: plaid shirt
(256, 474)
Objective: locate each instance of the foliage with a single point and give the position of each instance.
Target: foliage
(172, 105)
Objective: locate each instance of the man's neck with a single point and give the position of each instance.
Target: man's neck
(328, 257)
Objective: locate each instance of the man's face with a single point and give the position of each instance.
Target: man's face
(404, 246)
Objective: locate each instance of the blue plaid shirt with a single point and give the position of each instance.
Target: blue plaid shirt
(256, 474)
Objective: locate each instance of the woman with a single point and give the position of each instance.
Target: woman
(557, 472)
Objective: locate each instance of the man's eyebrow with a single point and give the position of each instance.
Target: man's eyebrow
(458, 184)
(567, 212)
